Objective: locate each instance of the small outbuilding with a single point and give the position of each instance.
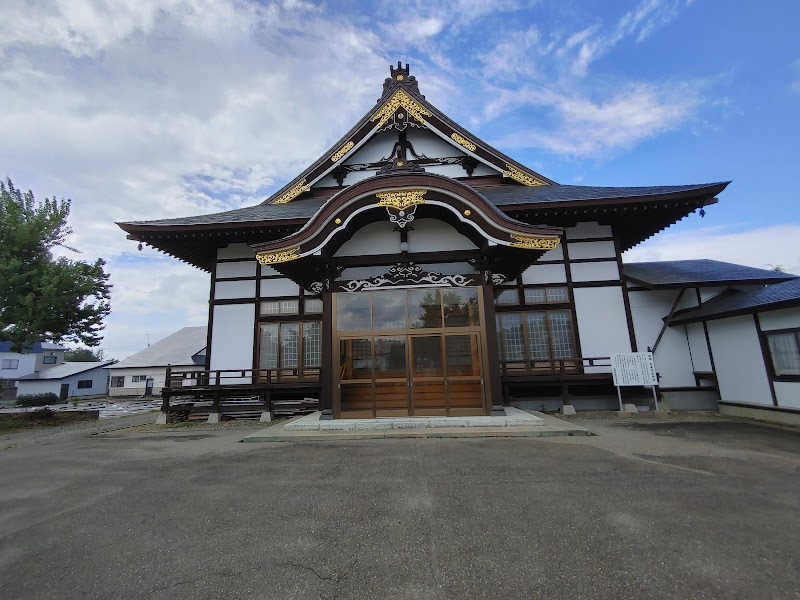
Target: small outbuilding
(143, 374)
(754, 337)
(68, 380)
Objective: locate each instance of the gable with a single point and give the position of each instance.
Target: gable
(405, 133)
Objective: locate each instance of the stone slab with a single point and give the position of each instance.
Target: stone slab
(306, 429)
(567, 409)
(513, 418)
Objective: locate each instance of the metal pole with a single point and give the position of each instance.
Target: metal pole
(619, 395)
(655, 396)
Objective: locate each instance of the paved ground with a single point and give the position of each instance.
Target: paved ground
(643, 510)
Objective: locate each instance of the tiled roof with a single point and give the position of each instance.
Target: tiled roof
(688, 273)
(517, 194)
(37, 348)
(303, 209)
(497, 195)
(779, 295)
(175, 349)
(66, 369)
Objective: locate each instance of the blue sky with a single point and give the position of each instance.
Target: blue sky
(140, 110)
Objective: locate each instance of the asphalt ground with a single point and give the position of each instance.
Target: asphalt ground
(643, 510)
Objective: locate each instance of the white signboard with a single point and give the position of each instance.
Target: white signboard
(634, 368)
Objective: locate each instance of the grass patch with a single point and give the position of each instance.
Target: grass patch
(12, 422)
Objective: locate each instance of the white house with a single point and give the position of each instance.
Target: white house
(144, 372)
(68, 380)
(413, 269)
(15, 365)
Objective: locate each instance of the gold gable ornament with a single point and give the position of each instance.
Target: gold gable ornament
(517, 175)
(272, 258)
(400, 99)
(293, 193)
(532, 243)
(401, 200)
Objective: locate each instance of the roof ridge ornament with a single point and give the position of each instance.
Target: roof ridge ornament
(400, 77)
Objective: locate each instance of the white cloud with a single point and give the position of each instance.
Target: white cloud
(592, 129)
(762, 247)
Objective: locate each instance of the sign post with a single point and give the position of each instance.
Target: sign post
(634, 368)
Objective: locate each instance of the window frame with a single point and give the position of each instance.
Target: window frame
(117, 381)
(769, 357)
(46, 360)
(301, 370)
(84, 381)
(13, 364)
(528, 360)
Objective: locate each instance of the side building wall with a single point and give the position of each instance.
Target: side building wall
(98, 378)
(747, 382)
(137, 388)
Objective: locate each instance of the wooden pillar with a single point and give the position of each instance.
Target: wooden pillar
(492, 377)
(326, 372)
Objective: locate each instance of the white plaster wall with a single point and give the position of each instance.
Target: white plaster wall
(672, 357)
(432, 235)
(788, 318)
(741, 372)
(232, 338)
(602, 325)
(268, 271)
(273, 288)
(431, 145)
(544, 274)
(227, 290)
(378, 147)
(428, 235)
(592, 250)
(588, 229)
(697, 343)
(595, 271)
(237, 269)
(788, 394)
(42, 386)
(236, 251)
(373, 238)
(556, 253)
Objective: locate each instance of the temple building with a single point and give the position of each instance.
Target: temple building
(415, 270)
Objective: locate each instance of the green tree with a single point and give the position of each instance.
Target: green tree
(83, 355)
(43, 298)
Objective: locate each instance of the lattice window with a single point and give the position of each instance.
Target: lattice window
(313, 305)
(538, 338)
(290, 345)
(312, 345)
(546, 295)
(560, 322)
(268, 355)
(509, 330)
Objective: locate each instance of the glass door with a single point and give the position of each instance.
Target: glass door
(409, 352)
(427, 381)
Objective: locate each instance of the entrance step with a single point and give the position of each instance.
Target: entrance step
(513, 418)
(517, 424)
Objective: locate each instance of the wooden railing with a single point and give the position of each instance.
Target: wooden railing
(562, 367)
(180, 378)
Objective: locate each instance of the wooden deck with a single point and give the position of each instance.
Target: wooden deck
(245, 393)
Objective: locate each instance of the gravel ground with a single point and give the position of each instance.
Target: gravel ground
(644, 509)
